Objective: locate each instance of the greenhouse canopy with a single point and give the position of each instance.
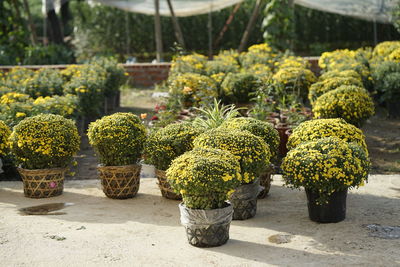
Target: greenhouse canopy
(182, 8)
(372, 10)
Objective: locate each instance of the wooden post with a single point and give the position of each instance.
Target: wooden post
(157, 27)
(250, 26)
(32, 31)
(177, 27)
(227, 23)
(210, 42)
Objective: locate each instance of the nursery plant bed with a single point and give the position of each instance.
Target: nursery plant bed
(146, 230)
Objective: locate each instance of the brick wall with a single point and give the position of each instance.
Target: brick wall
(148, 74)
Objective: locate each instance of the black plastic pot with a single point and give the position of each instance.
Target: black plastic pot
(332, 212)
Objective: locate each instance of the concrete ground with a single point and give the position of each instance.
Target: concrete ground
(145, 230)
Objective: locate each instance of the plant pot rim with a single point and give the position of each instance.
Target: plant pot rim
(227, 206)
(120, 166)
(40, 170)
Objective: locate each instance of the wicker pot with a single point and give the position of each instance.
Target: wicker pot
(332, 212)
(265, 181)
(206, 228)
(42, 183)
(165, 187)
(244, 200)
(120, 182)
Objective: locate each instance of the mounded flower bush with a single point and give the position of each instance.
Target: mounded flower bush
(259, 128)
(295, 79)
(166, 144)
(44, 141)
(340, 74)
(320, 128)
(238, 87)
(194, 63)
(205, 177)
(251, 151)
(192, 88)
(4, 135)
(319, 88)
(351, 103)
(117, 139)
(325, 166)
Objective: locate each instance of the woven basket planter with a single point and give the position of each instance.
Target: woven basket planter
(206, 228)
(42, 183)
(244, 201)
(120, 182)
(165, 187)
(265, 181)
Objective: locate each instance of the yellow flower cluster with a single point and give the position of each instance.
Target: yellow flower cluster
(13, 97)
(251, 151)
(118, 139)
(259, 128)
(204, 177)
(202, 88)
(44, 141)
(325, 166)
(394, 56)
(319, 88)
(292, 62)
(384, 49)
(165, 144)
(320, 128)
(4, 135)
(340, 74)
(259, 54)
(194, 63)
(351, 103)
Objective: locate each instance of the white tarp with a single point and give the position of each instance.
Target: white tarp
(372, 10)
(182, 8)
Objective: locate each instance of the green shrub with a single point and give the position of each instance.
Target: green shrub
(88, 83)
(192, 89)
(117, 139)
(387, 81)
(205, 177)
(166, 144)
(4, 135)
(238, 87)
(48, 55)
(194, 63)
(44, 141)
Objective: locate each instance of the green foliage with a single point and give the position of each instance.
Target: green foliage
(278, 24)
(194, 63)
(115, 74)
(192, 89)
(88, 83)
(251, 151)
(205, 177)
(387, 81)
(44, 141)
(215, 115)
(118, 139)
(48, 55)
(325, 166)
(4, 135)
(238, 87)
(166, 144)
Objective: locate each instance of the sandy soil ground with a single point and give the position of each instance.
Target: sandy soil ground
(145, 230)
